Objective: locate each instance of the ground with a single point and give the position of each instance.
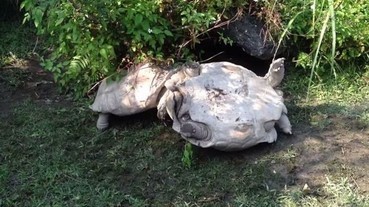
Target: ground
(51, 154)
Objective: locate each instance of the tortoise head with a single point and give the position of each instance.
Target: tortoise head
(275, 74)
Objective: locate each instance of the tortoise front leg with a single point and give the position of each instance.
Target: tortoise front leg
(103, 121)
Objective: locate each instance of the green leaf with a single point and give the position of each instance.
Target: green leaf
(152, 43)
(103, 53)
(168, 33)
(145, 25)
(161, 39)
(26, 17)
(146, 37)
(38, 13)
(138, 19)
(137, 36)
(156, 31)
(60, 19)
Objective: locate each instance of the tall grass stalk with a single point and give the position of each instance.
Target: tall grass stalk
(334, 36)
(285, 32)
(323, 29)
(313, 7)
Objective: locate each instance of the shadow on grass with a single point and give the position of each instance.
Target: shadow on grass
(53, 155)
(253, 177)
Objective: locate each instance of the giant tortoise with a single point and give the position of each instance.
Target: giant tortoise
(219, 104)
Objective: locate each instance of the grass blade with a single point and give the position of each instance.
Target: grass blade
(285, 32)
(333, 25)
(315, 61)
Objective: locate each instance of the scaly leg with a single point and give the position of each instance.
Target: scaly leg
(102, 121)
(284, 124)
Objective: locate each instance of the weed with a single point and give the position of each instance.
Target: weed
(187, 157)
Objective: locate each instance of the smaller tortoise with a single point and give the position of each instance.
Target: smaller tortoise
(138, 91)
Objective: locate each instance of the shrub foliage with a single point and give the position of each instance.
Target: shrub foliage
(93, 39)
(328, 33)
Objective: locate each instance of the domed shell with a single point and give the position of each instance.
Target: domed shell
(238, 107)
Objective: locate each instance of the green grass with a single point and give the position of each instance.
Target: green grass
(52, 155)
(344, 96)
(13, 79)
(334, 193)
(17, 43)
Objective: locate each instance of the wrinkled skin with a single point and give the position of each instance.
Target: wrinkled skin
(227, 106)
(218, 105)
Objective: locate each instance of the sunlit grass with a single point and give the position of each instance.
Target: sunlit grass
(17, 43)
(52, 155)
(349, 87)
(338, 192)
(323, 30)
(345, 96)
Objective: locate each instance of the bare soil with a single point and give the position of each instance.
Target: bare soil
(338, 145)
(340, 149)
(27, 81)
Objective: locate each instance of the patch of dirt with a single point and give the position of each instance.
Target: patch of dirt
(26, 82)
(339, 147)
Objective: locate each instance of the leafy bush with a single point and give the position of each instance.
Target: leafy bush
(328, 33)
(91, 39)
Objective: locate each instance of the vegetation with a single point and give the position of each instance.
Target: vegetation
(52, 155)
(93, 39)
(15, 43)
(336, 32)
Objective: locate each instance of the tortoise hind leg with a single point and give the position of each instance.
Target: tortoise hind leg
(103, 121)
(284, 124)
